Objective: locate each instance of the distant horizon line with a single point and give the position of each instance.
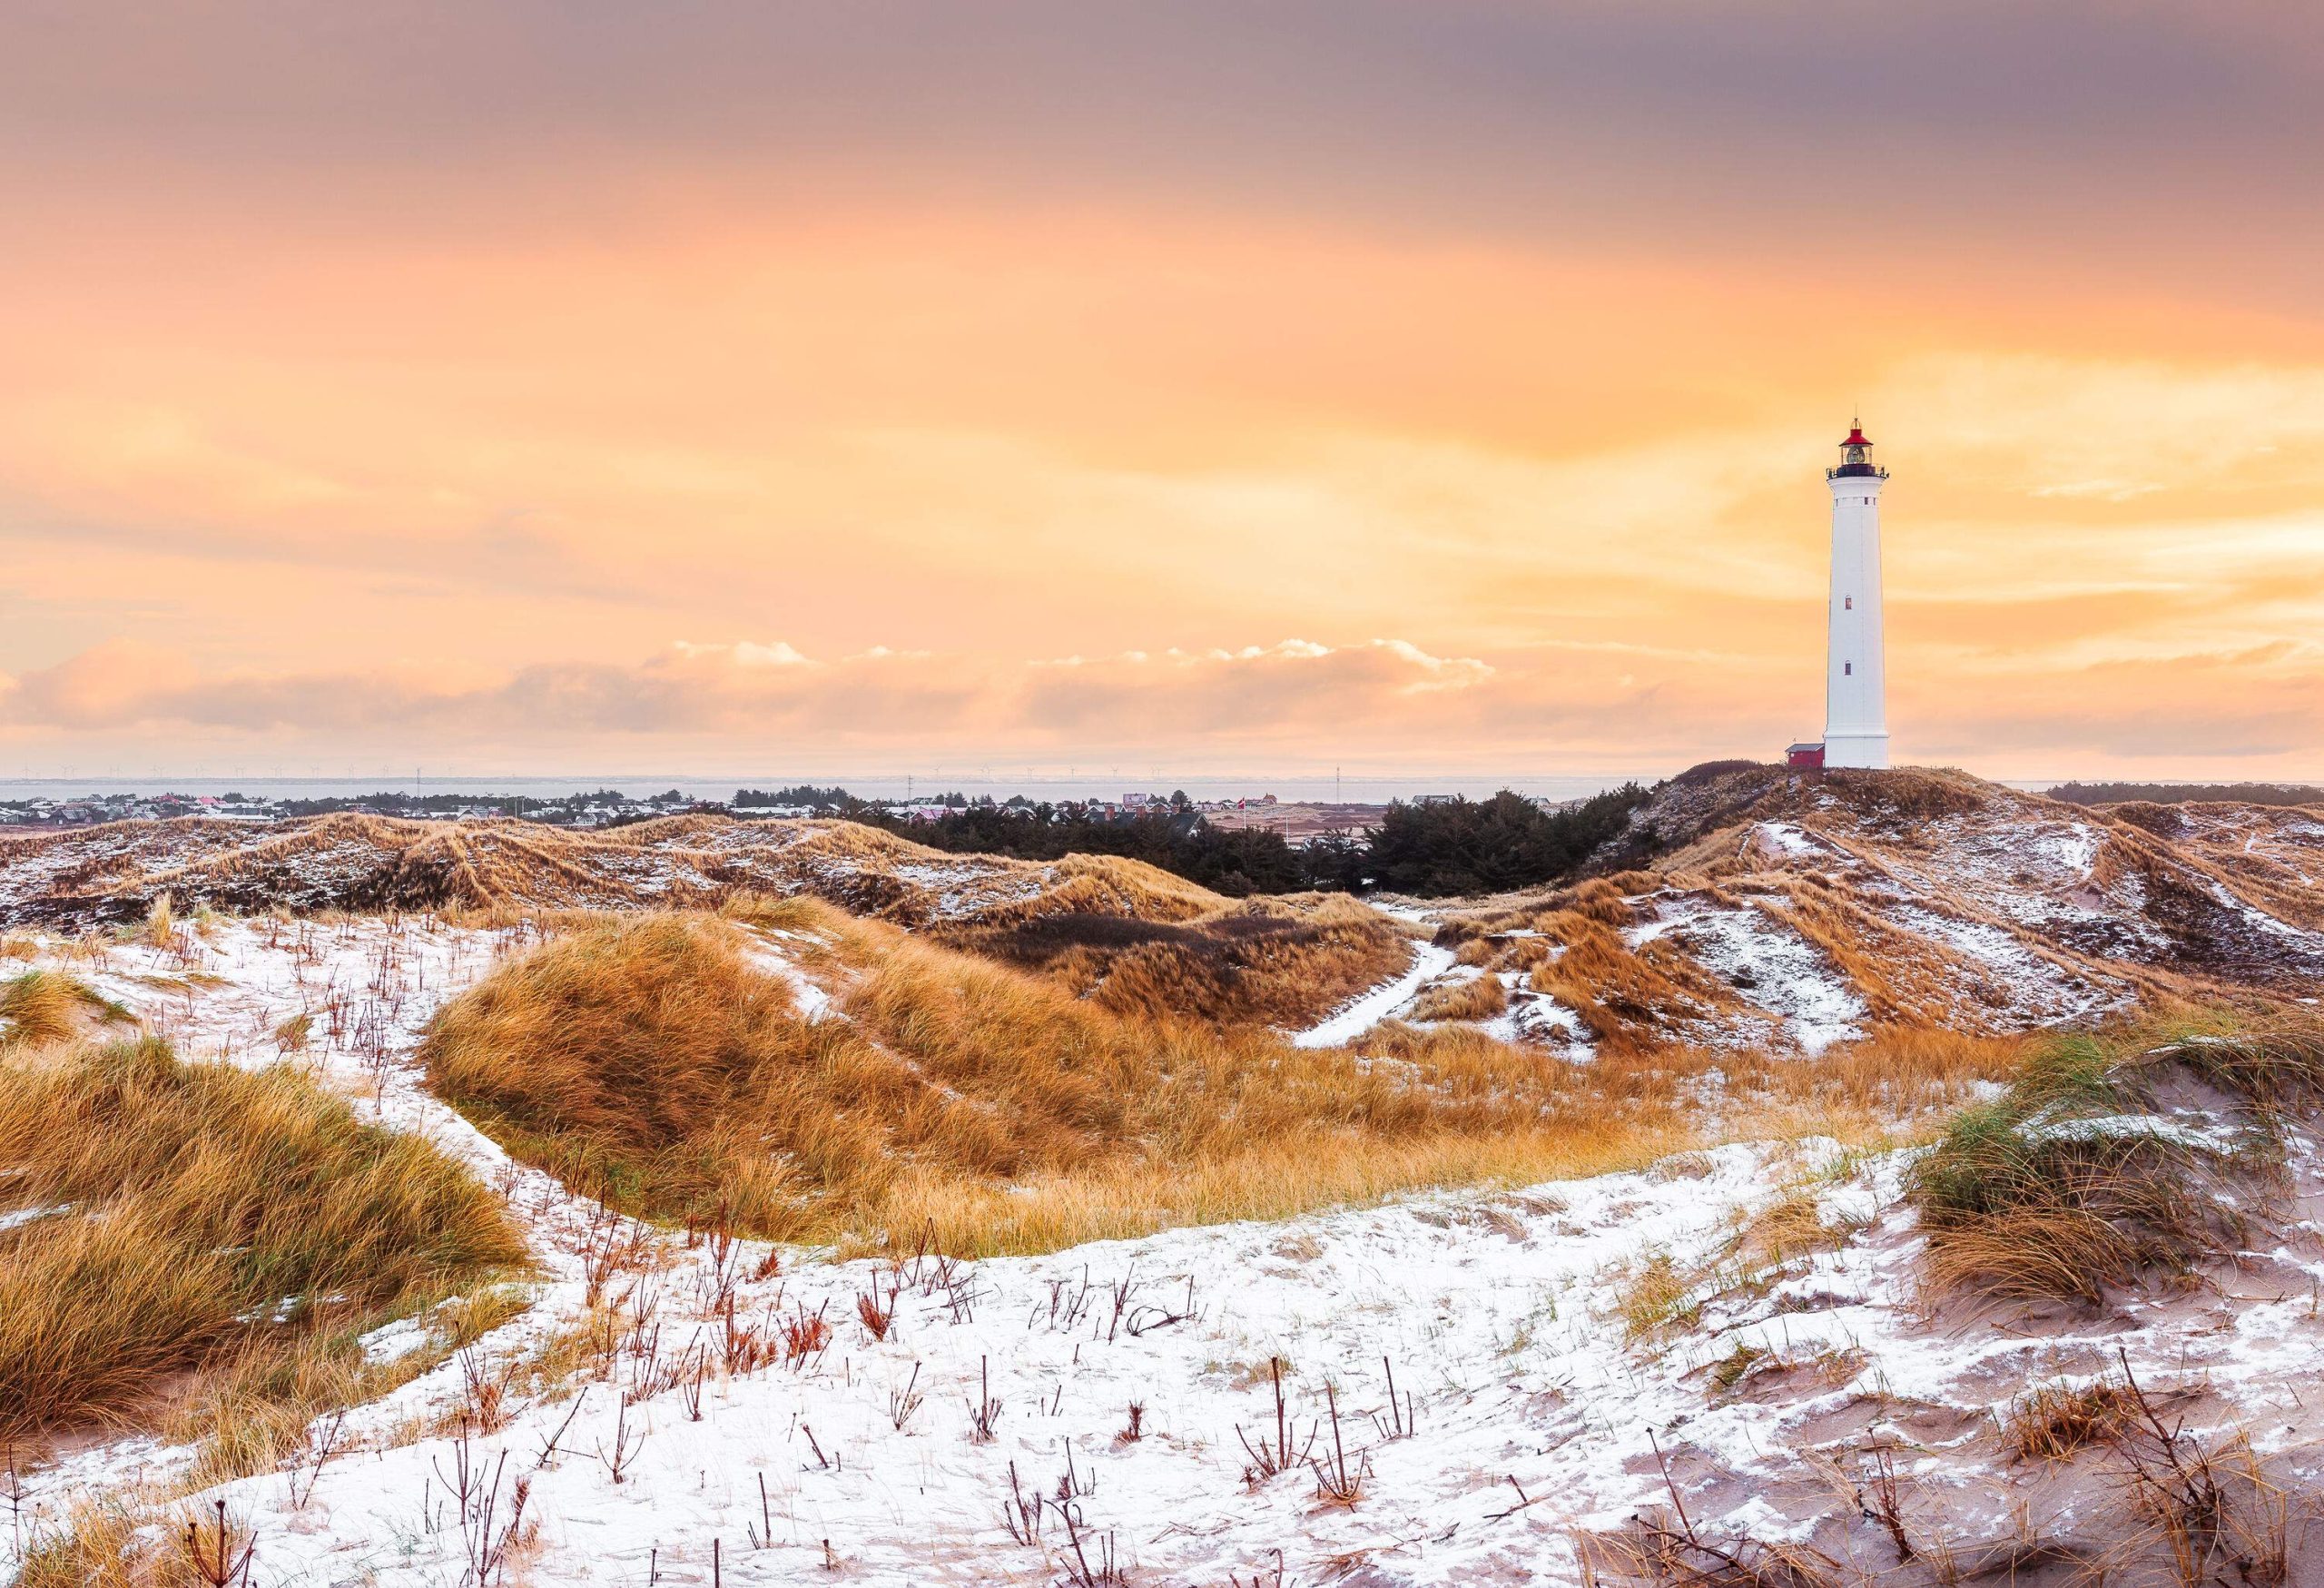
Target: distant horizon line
(938, 782)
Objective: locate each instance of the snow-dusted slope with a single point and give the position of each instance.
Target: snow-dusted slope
(1761, 909)
(1554, 1350)
(1346, 1025)
(1777, 909)
(114, 872)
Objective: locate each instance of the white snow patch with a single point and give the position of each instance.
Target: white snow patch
(2118, 1127)
(1428, 962)
(1536, 1017)
(1501, 1314)
(1769, 964)
(814, 1003)
(2076, 850)
(393, 1342)
(1785, 838)
(2034, 985)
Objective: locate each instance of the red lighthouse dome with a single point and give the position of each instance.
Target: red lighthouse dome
(1855, 460)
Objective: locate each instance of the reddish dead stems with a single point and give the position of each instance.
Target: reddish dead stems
(745, 1348)
(1258, 1579)
(805, 1338)
(318, 1451)
(486, 1395)
(626, 1445)
(215, 1555)
(1401, 1416)
(1268, 1459)
(1081, 1572)
(902, 1402)
(1336, 1482)
(986, 1411)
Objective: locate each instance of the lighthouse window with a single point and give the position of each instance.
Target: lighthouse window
(1848, 602)
(1849, 668)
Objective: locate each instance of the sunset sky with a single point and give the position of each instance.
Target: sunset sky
(1412, 385)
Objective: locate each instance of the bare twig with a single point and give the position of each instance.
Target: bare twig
(1402, 1416)
(1274, 1579)
(1881, 1505)
(1269, 1459)
(1336, 1482)
(903, 1403)
(625, 1444)
(548, 1450)
(319, 1449)
(1523, 1500)
(217, 1558)
(1079, 1572)
(986, 1411)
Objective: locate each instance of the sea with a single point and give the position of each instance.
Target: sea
(1366, 789)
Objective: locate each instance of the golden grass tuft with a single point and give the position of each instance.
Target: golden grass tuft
(1629, 998)
(1479, 997)
(1896, 1084)
(628, 1056)
(2056, 1421)
(1790, 1225)
(189, 1213)
(1600, 901)
(38, 1006)
(105, 1543)
(1656, 1295)
(1284, 961)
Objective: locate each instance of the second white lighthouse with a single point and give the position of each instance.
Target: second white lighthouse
(1856, 710)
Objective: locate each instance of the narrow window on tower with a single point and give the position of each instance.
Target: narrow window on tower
(1848, 668)
(1848, 602)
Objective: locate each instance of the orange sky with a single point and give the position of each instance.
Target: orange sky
(1418, 388)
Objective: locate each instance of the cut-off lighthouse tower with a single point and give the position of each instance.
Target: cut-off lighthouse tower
(1855, 709)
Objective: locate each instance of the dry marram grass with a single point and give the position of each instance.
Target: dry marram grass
(650, 1060)
(2082, 1177)
(120, 873)
(2056, 1421)
(187, 1215)
(1479, 997)
(1273, 961)
(39, 1006)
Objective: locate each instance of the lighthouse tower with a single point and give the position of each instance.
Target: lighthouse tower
(1856, 712)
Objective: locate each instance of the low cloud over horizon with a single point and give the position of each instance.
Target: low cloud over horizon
(1291, 705)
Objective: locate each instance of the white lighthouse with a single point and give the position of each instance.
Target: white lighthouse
(1855, 711)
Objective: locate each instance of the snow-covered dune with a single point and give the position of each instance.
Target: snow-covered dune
(1563, 1357)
